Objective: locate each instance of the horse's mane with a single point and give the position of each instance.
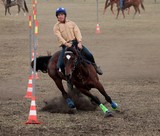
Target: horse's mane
(71, 49)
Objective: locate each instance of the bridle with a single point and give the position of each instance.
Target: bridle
(76, 62)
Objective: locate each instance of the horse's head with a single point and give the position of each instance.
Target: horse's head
(70, 60)
(41, 63)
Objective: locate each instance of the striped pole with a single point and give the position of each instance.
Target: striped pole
(30, 42)
(97, 26)
(35, 50)
(29, 87)
(32, 119)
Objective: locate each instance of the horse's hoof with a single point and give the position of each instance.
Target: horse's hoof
(72, 111)
(70, 103)
(114, 105)
(108, 114)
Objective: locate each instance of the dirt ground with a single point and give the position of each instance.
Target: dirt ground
(128, 51)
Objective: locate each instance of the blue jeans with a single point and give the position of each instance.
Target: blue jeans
(60, 63)
(121, 4)
(85, 52)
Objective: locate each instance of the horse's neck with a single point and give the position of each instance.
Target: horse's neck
(83, 68)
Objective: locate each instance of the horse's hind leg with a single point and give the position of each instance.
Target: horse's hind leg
(97, 101)
(69, 101)
(135, 8)
(139, 11)
(24, 11)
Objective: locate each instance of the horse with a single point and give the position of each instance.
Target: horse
(20, 3)
(129, 3)
(111, 3)
(78, 72)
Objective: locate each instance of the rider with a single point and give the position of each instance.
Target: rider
(68, 34)
(121, 4)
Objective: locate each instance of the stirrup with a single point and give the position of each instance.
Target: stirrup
(99, 71)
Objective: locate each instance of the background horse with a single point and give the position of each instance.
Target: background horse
(20, 3)
(112, 3)
(77, 72)
(129, 3)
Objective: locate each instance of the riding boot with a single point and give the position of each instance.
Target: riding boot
(97, 68)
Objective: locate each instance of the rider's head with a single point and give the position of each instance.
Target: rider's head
(61, 14)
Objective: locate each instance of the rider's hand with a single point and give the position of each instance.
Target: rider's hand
(68, 44)
(80, 45)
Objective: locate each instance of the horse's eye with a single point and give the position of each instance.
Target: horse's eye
(72, 57)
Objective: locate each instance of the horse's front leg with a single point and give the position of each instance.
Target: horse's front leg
(5, 11)
(107, 97)
(9, 11)
(65, 95)
(117, 13)
(106, 6)
(97, 101)
(112, 8)
(123, 14)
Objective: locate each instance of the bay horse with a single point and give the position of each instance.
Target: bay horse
(79, 73)
(128, 4)
(20, 3)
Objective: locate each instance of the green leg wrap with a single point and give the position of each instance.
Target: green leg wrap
(104, 109)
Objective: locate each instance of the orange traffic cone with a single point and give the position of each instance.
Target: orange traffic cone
(29, 89)
(32, 119)
(37, 77)
(97, 28)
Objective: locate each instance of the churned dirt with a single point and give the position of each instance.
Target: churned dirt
(128, 51)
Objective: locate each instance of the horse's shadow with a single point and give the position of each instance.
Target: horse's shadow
(58, 104)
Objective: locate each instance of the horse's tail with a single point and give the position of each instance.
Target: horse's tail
(41, 63)
(25, 6)
(141, 1)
